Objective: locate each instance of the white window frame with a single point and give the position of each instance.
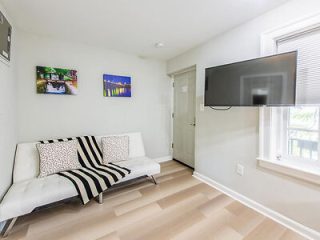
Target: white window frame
(270, 38)
(285, 140)
(298, 169)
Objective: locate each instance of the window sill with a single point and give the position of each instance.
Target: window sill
(304, 172)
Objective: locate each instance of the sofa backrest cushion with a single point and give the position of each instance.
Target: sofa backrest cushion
(26, 165)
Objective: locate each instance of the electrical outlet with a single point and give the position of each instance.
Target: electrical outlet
(240, 169)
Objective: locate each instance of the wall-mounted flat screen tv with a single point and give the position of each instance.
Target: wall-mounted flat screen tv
(267, 81)
(5, 37)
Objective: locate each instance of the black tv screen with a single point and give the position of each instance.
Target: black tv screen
(5, 37)
(269, 81)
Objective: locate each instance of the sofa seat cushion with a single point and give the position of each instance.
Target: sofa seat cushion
(23, 197)
(140, 166)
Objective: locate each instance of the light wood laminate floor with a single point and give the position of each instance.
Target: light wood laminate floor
(180, 207)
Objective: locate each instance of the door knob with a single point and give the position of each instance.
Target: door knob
(192, 124)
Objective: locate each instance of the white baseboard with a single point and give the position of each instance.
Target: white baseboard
(283, 220)
(163, 159)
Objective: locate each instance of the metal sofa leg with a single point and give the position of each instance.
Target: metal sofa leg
(100, 198)
(154, 180)
(7, 227)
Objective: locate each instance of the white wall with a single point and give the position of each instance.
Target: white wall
(7, 116)
(51, 116)
(224, 138)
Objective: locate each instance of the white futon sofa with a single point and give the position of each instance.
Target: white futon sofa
(29, 192)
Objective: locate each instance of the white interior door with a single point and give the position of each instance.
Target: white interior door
(184, 117)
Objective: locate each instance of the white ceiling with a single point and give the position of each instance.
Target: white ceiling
(134, 26)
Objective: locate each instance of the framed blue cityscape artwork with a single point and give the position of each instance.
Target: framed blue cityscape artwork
(116, 86)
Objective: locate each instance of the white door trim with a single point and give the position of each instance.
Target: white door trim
(184, 70)
(172, 75)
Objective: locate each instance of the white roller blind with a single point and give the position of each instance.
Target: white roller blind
(308, 73)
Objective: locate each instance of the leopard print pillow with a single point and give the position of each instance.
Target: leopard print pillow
(115, 148)
(57, 157)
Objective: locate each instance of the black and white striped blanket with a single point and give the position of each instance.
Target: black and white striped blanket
(94, 177)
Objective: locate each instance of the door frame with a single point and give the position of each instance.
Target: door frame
(171, 75)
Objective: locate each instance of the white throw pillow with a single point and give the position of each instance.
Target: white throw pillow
(57, 157)
(115, 148)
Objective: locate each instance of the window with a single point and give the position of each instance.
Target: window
(301, 134)
(300, 128)
(290, 136)
(308, 71)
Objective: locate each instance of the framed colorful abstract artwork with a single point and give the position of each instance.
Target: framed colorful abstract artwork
(57, 81)
(116, 86)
